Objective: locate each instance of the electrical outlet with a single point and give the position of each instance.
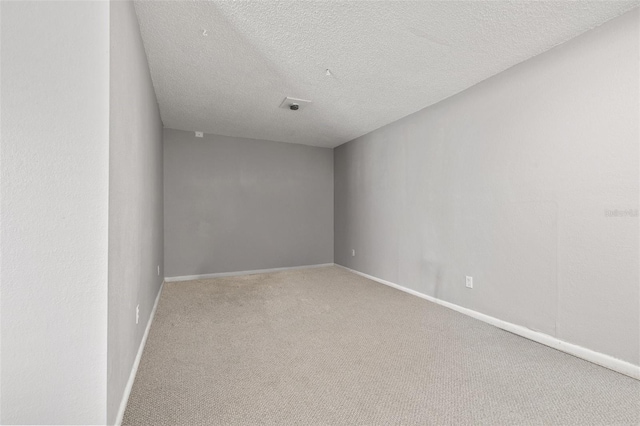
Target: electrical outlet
(137, 314)
(353, 252)
(469, 282)
(158, 270)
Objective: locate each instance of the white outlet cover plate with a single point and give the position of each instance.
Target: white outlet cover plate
(288, 101)
(469, 281)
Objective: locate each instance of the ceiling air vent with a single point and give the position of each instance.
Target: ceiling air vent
(294, 104)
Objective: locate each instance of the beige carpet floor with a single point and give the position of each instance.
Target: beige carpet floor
(325, 346)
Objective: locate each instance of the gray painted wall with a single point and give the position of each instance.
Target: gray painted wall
(509, 182)
(135, 200)
(54, 195)
(235, 204)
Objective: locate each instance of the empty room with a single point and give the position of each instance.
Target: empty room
(319, 212)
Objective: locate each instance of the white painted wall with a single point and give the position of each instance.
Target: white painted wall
(510, 182)
(135, 201)
(234, 204)
(54, 170)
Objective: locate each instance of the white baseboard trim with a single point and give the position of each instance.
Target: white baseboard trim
(136, 363)
(601, 359)
(238, 273)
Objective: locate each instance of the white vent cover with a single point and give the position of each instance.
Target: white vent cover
(302, 104)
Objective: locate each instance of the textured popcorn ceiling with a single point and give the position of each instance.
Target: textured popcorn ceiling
(387, 59)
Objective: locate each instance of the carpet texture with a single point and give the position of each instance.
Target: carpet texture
(326, 346)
